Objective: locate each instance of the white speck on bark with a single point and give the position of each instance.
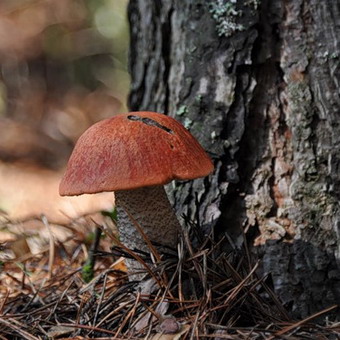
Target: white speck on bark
(224, 85)
(203, 88)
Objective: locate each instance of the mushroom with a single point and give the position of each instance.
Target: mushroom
(134, 155)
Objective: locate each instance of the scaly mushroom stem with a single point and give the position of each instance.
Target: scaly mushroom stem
(151, 209)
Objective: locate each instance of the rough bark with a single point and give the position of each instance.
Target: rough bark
(257, 83)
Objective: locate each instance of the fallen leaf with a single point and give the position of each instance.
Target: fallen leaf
(57, 331)
(175, 336)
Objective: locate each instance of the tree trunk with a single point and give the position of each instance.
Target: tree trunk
(257, 82)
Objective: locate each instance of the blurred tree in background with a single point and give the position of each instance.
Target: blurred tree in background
(63, 67)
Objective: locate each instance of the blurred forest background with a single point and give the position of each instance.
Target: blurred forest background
(63, 67)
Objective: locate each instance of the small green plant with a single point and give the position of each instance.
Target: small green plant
(112, 214)
(87, 272)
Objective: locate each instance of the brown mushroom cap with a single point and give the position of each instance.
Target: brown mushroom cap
(133, 150)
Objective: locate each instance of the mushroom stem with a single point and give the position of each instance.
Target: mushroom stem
(151, 209)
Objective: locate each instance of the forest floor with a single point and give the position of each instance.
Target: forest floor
(196, 292)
